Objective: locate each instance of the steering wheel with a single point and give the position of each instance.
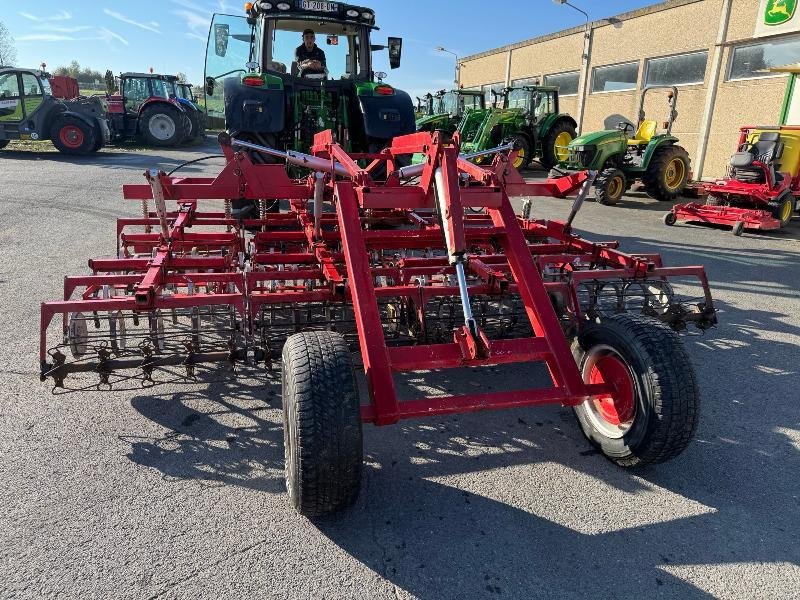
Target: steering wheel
(626, 127)
(305, 65)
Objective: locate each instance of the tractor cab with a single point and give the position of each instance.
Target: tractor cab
(535, 101)
(184, 92)
(291, 69)
(447, 109)
(30, 111)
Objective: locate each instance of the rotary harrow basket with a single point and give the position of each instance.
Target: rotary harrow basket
(430, 269)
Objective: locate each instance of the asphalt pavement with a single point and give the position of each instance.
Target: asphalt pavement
(178, 491)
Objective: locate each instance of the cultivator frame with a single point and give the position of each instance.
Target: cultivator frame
(387, 251)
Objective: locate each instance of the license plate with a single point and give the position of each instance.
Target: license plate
(318, 6)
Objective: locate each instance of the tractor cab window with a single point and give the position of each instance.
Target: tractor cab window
(341, 43)
(161, 88)
(135, 90)
(539, 103)
(33, 92)
(450, 103)
(10, 106)
(470, 101)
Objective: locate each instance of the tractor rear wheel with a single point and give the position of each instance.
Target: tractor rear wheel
(652, 415)
(554, 145)
(321, 423)
(72, 135)
(163, 125)
(782, 208)
(668, 173)
(610, 186)
(524, 155)
(4, 143)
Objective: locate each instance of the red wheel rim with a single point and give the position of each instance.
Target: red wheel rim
(71, 136)
(618, 407)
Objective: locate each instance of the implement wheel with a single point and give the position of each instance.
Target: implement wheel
(652, 415)
(668, 173)
(782, 208)
(610, 186)
(321, 424)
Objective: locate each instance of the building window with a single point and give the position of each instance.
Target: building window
(487, 93)
(526, 81)
(615, 78)
(567, 83)
(754, 60)
(683, 69)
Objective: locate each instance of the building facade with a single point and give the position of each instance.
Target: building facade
(717, 52)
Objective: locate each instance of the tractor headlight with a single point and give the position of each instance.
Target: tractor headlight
(352, 13)
(265, 5)
(585, 155)
(367, 16)
(284, 6)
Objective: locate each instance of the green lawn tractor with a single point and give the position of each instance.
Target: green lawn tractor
(650, 156)
(530, 118)
(448, 108)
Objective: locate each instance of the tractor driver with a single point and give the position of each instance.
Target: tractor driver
(309, 57)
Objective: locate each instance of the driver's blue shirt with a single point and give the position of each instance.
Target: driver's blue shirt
(316, 53)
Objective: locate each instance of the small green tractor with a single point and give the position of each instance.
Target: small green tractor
(530, 118)
(650, 156)
(446, 109)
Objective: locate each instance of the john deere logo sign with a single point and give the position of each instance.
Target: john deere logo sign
(779, 12)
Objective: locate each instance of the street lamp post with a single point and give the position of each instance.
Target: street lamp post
(587, 42)
(445, 50)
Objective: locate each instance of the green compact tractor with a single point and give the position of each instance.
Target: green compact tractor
(30, 111)
(446, 109)
(530, 117)
(270, 98)
(651, 156)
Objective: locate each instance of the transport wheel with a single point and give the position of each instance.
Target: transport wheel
(162, 126)
(670, 219)
(738, 228)
(610, 186)
(782, 208)
(321, 424)
(71, 135)
(652, 414)
(524, 155)
(4, 143)
(668, 173)
(554, 145)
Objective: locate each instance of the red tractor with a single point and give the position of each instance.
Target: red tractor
(762, 186)
(147, 108)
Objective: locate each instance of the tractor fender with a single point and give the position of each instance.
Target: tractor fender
(386, 117)
(151, 101)
(63, 110)
(254, 109)
(187, 105)
(551, 120)
(655, 143)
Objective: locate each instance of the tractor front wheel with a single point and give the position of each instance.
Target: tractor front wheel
(668, 173)
(610, 186)
(523, 147)
(163, 125)
(651, 415)
(782, 208)
(72, 135)
(555, 143)
(321, 424)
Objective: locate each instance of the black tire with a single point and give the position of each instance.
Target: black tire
(72, 135)
(379, 173)
(610, 186)
(782, 208)
(169, 135)
(321, 424)
(524, 157)
(4, 143)
(656, 179)
(663, 389)
(549, 157)
(738, 229)
(670, 219)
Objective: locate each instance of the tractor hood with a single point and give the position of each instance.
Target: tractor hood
(599, 137)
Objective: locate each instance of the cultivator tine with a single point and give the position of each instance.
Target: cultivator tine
(580, 198)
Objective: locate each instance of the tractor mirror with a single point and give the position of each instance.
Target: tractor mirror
(332, 40)
(209, 86)
(395, 52)
(222, 32)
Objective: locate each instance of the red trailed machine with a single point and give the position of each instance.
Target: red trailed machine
(427, 268)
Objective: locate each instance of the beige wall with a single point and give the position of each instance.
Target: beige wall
(675, 30)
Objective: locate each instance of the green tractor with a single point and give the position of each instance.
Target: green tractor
(273, 96)
(650, 156)
(530, 118)
(446, 109)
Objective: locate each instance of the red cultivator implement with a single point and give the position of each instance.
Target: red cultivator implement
(429, 269)
(762, 186)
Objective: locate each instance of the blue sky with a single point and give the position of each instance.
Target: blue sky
(170, 35)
